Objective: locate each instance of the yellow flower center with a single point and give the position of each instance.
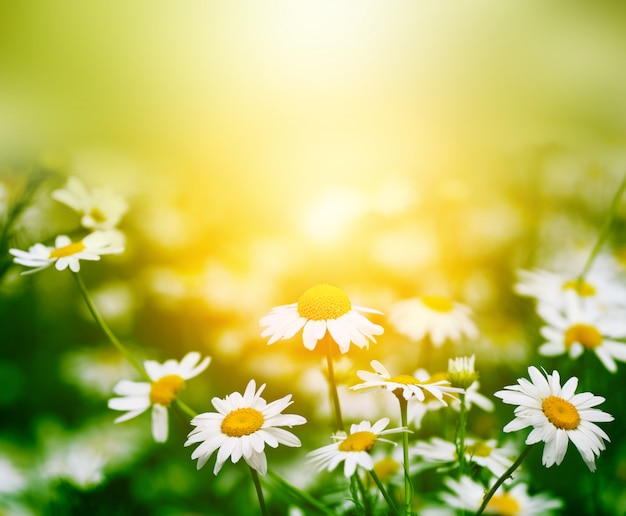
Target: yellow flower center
(165, 389)
(68, 250)
(582, 288)
(405, 379)
(480, 449)
(561, 413)
(503, 505)
(323, 302)
(97, 215)
(585, 334)
(358, 441)
(386, 468)
(438, 303)
(243, 421)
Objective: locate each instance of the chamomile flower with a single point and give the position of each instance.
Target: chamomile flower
(553, 289)
(320, 310)
(484, 453)
(241, 427)
(438, 317)
(66, 253)
(581, 327)
(99, 208)
(558, 415)
(409, 386)
(167, 380)
(353, 449)
(468, 494)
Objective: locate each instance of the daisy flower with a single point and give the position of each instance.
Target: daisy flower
(468, 494)
(167, 380)
(407, 385)
(320, 310)
(436, 316)
(484, 453)
(461, 371)
(66, 253)
(353, 448)
(582, 327)
(553, 289)
(241, 427)
(557, 416)
(99, 208)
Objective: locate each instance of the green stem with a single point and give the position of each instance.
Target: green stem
(367, 506)
(408, 486)
(460, 448)
(504, 476)
(604, 232)
(259, 491)
(332, 385)
(186, 408)
(301, 495)
(382, 489)
(105, 328)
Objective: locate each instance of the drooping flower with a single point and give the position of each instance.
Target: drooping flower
(557, 415)
(354, 448)
(66, 253)
(486, 454)
(467, 495)
(438, 317)
(167, 380)
(241, 427)
(99, 208)
(409, 386)
(320, 310)
(582, 327)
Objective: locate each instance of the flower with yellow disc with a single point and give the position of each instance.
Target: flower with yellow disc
(557, 415)
(320, 310)
(167, 380)
(241, 427)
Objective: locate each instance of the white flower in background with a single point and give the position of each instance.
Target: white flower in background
(408, 385)
(467, 495)
(241, 427)
(79, 464)
(600, 287)
(484, 453)
(581, 327)
(13, 480)
(66, 253)
(99, 208)
(557, 416)
(320, 310)
(435, 316)
(473, 397)
(167, 380)
(354, 448)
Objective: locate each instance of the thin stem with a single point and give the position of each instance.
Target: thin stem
(504, 476)
(105, 328)
(332, 384)
(259, 491)
(304, 497)
(408, 486)
(367, 506)
(186, 408)
(382, 489)
(604, 232)
(460, 449)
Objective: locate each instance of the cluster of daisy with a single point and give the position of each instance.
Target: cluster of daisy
(100, 211)
(580, 313)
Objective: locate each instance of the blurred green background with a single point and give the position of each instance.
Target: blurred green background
(392, 150)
